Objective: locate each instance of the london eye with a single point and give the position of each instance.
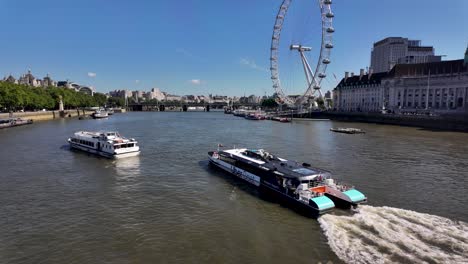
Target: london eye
(301, 38)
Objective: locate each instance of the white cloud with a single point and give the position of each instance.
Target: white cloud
(91, 74)
(196, 81)
(251, 64)
(137, 81)
(184, 52)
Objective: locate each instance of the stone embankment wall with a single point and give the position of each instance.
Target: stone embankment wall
(47, 115)
(452, 123)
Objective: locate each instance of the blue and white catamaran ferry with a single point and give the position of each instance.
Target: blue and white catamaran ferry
(108, 144)
(306, 188)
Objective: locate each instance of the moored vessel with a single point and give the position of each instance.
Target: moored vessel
(239, 112)
(311, 190)
(348, 130)
(108, 144)
(99, 114)
(12, 122)
(281, 119)
(255, 116)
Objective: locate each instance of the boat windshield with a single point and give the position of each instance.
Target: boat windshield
(112, 134)
(305, 172)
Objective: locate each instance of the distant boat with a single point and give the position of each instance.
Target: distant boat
(239, 112)
(347, 130)
(281, 119)
(99, 114)
(196, 109)
(12, 122)
(255, 116)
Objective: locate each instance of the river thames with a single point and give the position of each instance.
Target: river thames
(169, 206)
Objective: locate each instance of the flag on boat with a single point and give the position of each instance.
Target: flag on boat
(220, 145)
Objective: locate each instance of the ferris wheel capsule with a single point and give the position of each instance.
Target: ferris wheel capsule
(330, 15)
(322, 75)
(330, 30)
(326, 61)
(327, 2)
(329, 46)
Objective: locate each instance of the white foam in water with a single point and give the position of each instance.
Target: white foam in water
(391, 235)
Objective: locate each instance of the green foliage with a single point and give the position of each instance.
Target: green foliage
(269, 103)
(100, 99)
(116, 102)
(15, 97)
(320, 102)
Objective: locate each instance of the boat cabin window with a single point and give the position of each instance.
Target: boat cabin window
(129, 145)
(227, 159)
(304, 171)
(83, 142)
(112, 134)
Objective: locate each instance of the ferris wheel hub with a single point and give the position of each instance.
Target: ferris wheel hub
(299, 47)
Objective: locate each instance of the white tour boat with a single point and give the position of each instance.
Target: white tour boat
(100, 114)
(108, 144)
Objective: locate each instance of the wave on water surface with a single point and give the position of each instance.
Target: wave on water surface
(392, 235)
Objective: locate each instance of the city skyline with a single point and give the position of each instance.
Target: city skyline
(206, 48)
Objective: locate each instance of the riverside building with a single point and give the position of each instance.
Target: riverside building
(29, 80)
(390, 51)
(436, 87)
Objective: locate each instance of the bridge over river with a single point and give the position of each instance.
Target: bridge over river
(184, 106)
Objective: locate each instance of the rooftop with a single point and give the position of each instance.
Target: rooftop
(433, 68)
(407, 70)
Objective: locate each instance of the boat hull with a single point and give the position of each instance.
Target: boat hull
(102, 153)
(344, 131)
(99, 117)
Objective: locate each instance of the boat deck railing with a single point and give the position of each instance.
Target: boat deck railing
(340, 185)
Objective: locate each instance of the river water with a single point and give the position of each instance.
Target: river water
(169, 206)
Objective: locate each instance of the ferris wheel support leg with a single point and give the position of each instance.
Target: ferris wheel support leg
(306, 67)
(311, 80)
(308, 71)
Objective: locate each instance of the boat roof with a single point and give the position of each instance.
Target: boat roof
(97, 133)
(109, 135)
(281, 167)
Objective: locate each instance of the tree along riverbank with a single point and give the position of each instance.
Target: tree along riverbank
(14, 97)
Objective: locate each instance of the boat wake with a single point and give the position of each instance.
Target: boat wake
(386, 235)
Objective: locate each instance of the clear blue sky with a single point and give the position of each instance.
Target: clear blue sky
(223, 45)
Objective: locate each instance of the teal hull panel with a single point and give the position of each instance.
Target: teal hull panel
(323, 202)
(355, 195)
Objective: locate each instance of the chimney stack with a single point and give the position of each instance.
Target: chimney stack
(346, 75)
(352, 74)
(361, 73)
(371, 71)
